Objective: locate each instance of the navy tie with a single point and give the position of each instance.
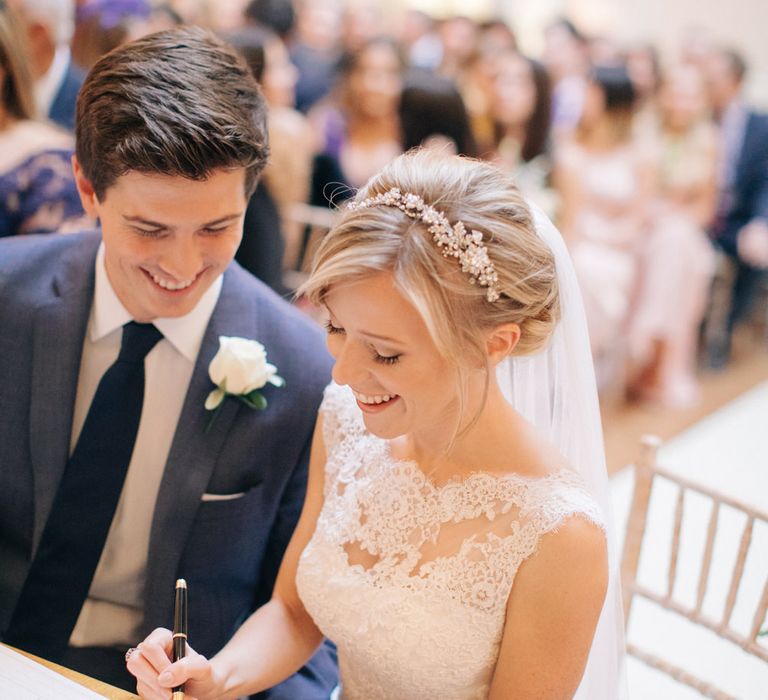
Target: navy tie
(77, 527)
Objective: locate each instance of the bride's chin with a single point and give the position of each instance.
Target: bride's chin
(381, 431)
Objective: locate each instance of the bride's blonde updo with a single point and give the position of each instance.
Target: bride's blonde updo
(378, 238)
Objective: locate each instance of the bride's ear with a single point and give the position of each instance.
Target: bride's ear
(501, 341)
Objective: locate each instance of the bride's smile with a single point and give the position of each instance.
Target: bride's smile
(385, 354)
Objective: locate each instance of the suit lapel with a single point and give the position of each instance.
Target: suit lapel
(194, 452)
(59, 330)
(750, 146)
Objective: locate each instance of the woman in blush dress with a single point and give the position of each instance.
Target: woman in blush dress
(521, 109)
(606, 181)
(678, 259)
(454, 541)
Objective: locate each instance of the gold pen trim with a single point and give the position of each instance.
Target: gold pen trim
(178, 695)
(179, 634)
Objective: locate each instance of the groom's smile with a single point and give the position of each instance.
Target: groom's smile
(167, 238)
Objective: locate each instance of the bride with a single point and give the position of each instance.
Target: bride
(455, 541)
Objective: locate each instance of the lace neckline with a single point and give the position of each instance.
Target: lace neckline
(471, 478)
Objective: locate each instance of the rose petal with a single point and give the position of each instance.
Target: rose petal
(214, 399)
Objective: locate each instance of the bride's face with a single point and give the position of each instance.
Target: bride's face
(384, 352)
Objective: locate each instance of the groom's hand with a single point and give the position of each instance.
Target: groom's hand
(156, 675)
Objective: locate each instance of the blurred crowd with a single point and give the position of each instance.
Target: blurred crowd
(656, 172)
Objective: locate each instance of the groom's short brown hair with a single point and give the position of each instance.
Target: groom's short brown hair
(178, 102)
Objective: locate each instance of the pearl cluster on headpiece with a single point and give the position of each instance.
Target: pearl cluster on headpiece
(453, 240)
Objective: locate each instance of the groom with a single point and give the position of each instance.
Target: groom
(114, 477)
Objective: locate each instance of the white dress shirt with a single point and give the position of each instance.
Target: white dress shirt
(733, 124)
(48, 86)
(732, 128)
(113, 611)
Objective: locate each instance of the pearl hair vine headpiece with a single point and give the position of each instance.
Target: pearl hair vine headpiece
(453, 240)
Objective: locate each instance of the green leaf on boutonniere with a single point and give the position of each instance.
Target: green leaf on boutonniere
(254, 400)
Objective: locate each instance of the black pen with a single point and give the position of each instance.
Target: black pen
(180, 630)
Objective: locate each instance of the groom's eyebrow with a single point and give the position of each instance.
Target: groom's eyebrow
(157, 224)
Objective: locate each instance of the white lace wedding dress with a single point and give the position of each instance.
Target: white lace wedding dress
(410, 579)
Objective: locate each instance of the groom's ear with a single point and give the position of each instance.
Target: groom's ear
(501, 341)
(88, 197)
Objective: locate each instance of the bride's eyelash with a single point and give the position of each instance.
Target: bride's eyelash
(386, 359)
(383, 359)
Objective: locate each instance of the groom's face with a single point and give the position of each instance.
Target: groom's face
(167, 238)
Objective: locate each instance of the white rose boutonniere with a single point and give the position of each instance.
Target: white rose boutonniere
(239, 369)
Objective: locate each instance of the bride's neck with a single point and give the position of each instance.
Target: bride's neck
(497, 439)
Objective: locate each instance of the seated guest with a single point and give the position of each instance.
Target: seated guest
(272, 237)
(433, 114)
(37, 187)
(740, 230)
(102, 25)
(566, 57)
(50, 25)
(357, 130)
(521, 107)
(262, 248)
(605, 181)
(677, 257)
(110, 490)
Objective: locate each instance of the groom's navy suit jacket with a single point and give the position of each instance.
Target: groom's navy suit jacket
(229, 551)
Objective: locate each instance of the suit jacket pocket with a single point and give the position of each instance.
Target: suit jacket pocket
(222, 496)
(228, 506)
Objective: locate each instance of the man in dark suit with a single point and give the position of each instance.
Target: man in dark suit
(50, 25)
(740, 230)
(171, 138)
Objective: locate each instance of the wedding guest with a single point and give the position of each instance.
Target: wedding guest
(49, 26)
(418, 36)
(432, 114)
(644, 70)
(677, 257)
(112, 487)
(262, 249)
(291, 140)
(477, 89)
(740, 230)
(315, 49)
(37, 186)
(606, 180)
(521, 112)
(279, 16)
(362, 21)
(102, 25)
(497, 34)
(452, 502)
(566, 58)
(458, 37)
(358, 130)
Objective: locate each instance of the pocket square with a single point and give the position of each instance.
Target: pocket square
(222, 496)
